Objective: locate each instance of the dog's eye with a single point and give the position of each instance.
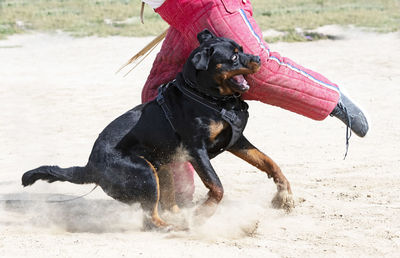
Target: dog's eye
(234, 58)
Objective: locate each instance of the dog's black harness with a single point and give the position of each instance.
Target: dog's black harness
(161, 102)
(237, 123)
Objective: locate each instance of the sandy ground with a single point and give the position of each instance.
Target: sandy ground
(57, 93)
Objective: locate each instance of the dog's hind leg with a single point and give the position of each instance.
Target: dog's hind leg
(134, 179)
(155, 217)
(76, 175)
(246, 151)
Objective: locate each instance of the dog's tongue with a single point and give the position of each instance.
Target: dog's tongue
(241, 82)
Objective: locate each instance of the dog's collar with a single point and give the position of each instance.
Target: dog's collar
(228, 116)
(192, 87)
(192, 93)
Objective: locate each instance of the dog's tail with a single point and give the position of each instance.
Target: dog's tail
(76, 175)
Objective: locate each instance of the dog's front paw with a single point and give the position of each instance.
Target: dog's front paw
(283, 200)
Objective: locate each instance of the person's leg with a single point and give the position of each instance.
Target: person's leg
(315, 94)
(280, 81)
(184, 182)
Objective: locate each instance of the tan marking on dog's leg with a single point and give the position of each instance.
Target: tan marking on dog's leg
(155, 217)
(283, 199)
(266, 164)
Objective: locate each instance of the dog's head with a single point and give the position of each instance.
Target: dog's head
(217, 66)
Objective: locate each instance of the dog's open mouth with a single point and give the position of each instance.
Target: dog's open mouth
(238, 83)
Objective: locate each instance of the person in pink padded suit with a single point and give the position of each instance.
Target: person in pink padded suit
(280, 81)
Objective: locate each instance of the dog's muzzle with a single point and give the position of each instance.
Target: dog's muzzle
(237, 81)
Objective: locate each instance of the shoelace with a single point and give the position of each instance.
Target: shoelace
(348, 130)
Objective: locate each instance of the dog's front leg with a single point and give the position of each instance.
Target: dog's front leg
(202, 165)
(246, 151)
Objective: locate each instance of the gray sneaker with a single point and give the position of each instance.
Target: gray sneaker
(351, 115)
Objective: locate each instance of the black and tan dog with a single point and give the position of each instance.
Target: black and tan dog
(199, 114)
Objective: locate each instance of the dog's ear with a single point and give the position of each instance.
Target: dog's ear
(201, 59)
(204, 36)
